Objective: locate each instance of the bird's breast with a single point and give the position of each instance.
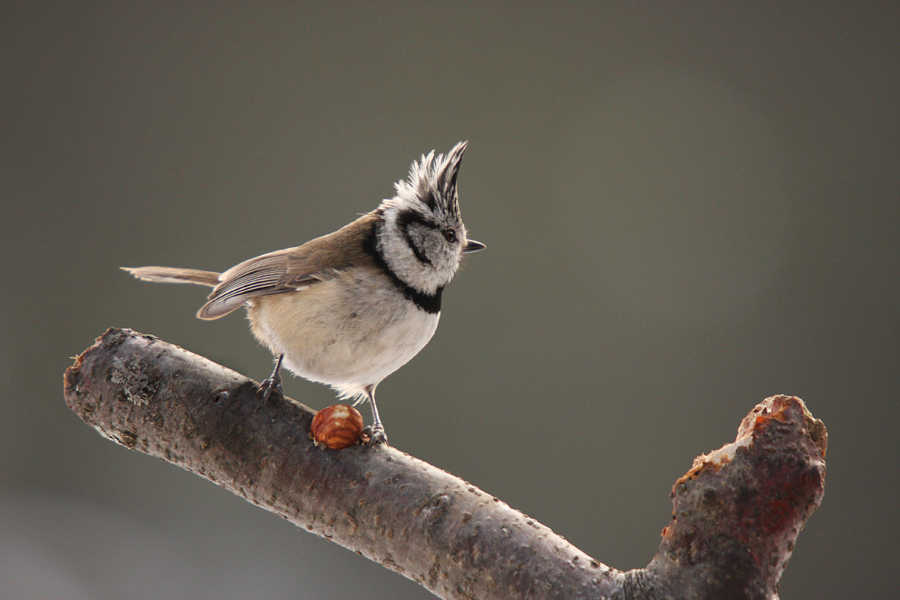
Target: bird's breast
(350, 331)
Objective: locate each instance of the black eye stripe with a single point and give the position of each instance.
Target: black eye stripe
(430, 303)
(408, 217)
(416, 251)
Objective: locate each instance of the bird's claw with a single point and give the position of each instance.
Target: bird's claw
(270, 386)
(375, 434)
(273, 383)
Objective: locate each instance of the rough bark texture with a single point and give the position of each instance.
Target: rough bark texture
(737, 512)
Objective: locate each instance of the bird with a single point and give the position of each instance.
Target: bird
(349, 308)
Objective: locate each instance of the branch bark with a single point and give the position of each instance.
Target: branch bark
(737, 512)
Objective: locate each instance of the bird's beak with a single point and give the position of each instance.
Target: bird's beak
(473, 246)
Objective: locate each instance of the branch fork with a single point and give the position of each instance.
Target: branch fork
(737, 511)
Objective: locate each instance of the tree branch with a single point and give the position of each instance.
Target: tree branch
(737, 511)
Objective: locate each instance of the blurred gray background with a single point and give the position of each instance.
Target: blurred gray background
(687, 209)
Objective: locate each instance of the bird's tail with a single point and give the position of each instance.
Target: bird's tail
(174, 275)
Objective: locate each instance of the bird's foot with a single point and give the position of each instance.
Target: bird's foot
(375, 434)
(271, 386)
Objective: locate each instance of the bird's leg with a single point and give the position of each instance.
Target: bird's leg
(376, 430)
(273, 383)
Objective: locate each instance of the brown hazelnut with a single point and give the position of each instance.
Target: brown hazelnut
(337, 426)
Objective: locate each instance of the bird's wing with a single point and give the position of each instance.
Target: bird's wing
(290, 269)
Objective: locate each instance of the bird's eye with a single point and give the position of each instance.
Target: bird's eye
(450, 235)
